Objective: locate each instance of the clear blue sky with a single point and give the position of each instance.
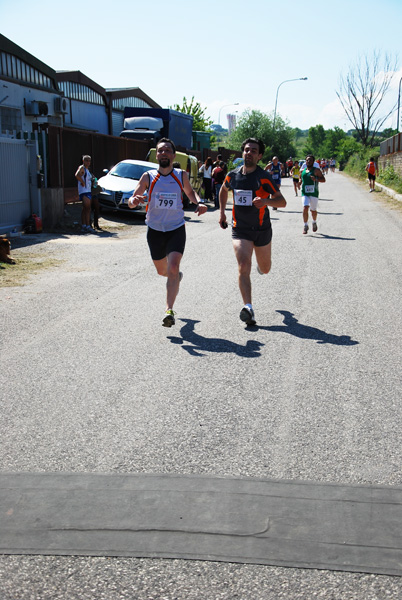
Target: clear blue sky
(218, 52)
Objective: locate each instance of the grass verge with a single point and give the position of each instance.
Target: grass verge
(26, 264)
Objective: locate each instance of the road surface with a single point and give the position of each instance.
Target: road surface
(93, 383)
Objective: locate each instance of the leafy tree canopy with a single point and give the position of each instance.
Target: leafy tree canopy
(323, 143)
(201, 122)
(254, 123)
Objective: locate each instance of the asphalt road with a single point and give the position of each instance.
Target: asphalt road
(92, 382)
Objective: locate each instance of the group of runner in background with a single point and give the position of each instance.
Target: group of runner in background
(293, 168)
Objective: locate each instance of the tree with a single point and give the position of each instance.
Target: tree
(347, 148)
(200, 122)
(332, 139)
(362, 91)
(254, 123)
(315, 140)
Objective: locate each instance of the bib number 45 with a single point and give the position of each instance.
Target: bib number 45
(243, 197)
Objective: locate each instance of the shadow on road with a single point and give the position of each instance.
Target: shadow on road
(332, 237)
(292, 326)
(197, 345)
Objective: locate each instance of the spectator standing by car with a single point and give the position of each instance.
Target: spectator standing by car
(206, 171)
(165, 218)
(218, 176)
(95, 191)
(84, 178)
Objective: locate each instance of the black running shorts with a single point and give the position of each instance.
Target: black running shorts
(162, 243)
(260, 237)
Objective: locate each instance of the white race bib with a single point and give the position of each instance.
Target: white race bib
(243, 197)
(166, 200)
(275, 175)
(309, 189)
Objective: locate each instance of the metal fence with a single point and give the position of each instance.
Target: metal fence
(391, 145)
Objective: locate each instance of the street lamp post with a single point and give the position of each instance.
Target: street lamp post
(399, 103)
(277, 91)
(224, 106)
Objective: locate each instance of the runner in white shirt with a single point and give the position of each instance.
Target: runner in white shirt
(165, 218)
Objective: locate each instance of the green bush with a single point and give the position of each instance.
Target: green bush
(356, 163)
(390, 178)
(356, 167)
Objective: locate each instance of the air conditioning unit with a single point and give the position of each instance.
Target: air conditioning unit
(43, 109)
(61, 105)
(32, 108)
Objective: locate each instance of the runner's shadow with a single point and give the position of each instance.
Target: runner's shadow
(292, 326)
(324, 236)
(198, 345)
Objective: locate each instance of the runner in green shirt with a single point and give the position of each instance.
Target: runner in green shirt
(310, 176)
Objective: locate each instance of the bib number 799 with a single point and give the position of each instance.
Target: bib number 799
(166, 200)
(165, 203)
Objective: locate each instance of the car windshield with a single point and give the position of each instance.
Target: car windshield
(129, 171)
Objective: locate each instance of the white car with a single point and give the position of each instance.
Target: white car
(119, 183)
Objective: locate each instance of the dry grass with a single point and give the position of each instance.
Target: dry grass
(387, 201)
(26, 264)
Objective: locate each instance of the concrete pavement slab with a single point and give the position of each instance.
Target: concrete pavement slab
(281, 523)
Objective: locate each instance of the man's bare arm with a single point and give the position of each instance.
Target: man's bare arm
(138, 194)
(223, 198)
(319, 175)
(79, 173)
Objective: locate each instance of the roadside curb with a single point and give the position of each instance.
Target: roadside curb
(389, 192)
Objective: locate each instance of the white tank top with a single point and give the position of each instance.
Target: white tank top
(165, 202)
(87, 177)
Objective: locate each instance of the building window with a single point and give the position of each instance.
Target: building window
(15, 68)
(80, 92)
(121, 103)
(10, 119)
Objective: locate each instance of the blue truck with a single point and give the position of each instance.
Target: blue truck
(156, 123)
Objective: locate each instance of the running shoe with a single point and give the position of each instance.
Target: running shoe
(315, 227)
(169, 320)
(305, 229)
(247, 316)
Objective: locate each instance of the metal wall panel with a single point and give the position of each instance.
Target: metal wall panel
(117, 122)
(17, 182)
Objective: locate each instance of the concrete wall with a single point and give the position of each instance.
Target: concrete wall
(394, 159)
(14, 95)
